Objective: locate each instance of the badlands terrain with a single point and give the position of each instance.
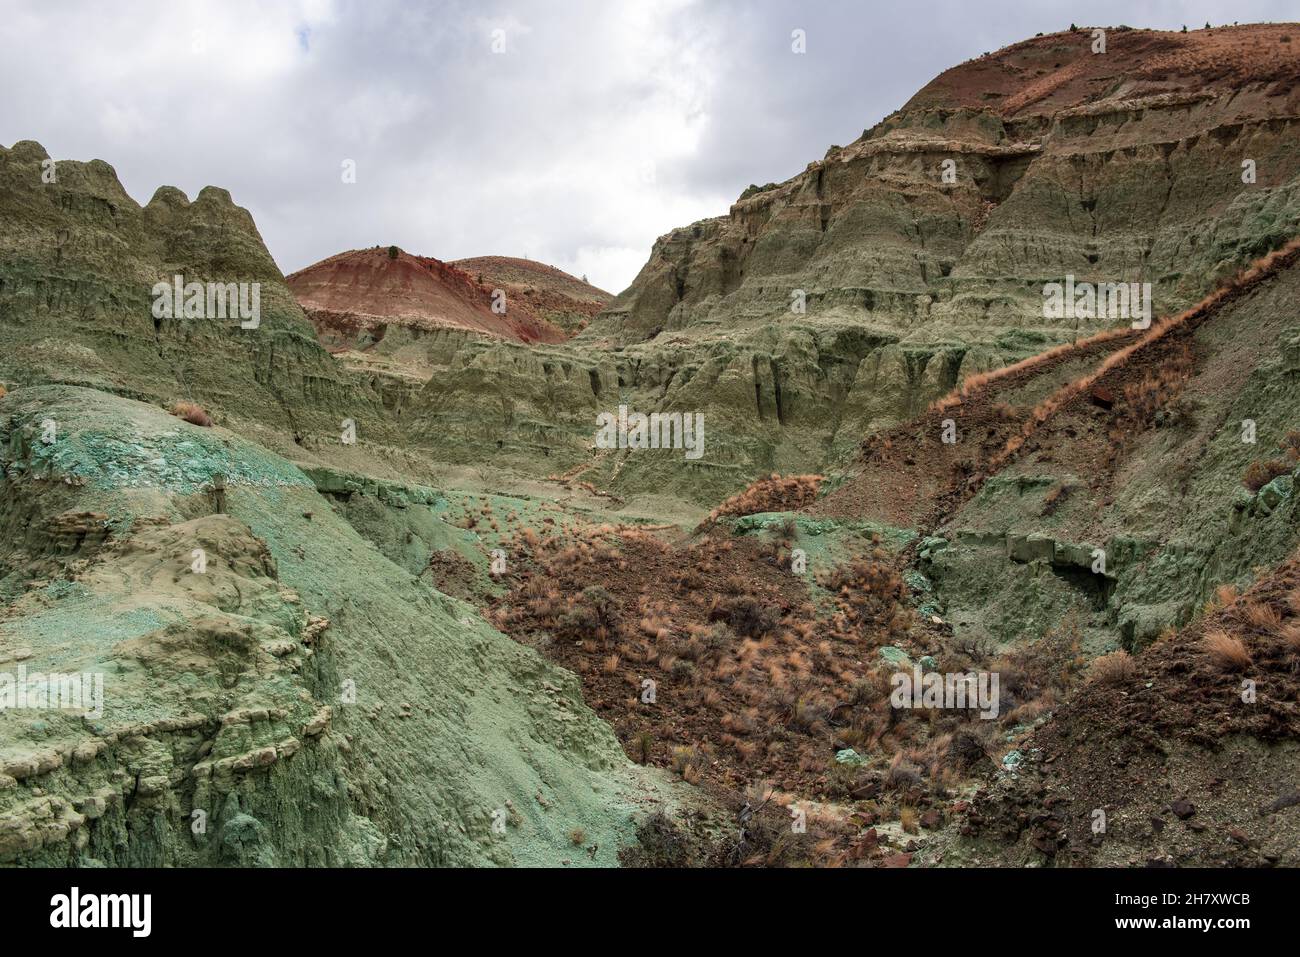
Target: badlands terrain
(365, 588)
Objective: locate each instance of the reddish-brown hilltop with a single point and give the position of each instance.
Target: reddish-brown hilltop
(1050, 73)
(548, 293)
(366, 290)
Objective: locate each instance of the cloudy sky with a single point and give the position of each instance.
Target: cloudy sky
(570, 131)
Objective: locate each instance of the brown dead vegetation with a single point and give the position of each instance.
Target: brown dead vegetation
(1116, 668)
(753, 675)
(1226, 651)
(192, 413)
(772, 493)
(1259, 474)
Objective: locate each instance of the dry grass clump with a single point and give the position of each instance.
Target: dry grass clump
(1262, 617)
(1290, 635)
(192, 413)
(1143, 399)
(771, 494)
(1226, 651)
(1261, 473)
(1115, 668)
(1226, 595)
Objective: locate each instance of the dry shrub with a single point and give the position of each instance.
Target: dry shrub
(1143, 399)
(688, 762)
(191, 413)
(771, 494)
(659, 843)
(1226, 651)
(745, 615)
(1290, 635)
(1055, 498)
(593, 614)
(1262, 617)
(1115, 668)
(1260, 474)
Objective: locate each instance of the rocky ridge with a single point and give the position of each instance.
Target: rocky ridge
(847, 298)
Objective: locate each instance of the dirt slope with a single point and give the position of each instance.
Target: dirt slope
(1191, 759)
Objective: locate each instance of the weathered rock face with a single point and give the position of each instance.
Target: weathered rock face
(79, 260)
(1107, 491)
(850, 296)
(1129, 169)
(1174, 521)
(298, 699)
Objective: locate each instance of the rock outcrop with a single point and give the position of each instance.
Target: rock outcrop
(79, 261)
(274, 690)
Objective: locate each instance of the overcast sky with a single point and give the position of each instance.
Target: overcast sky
(601, 126)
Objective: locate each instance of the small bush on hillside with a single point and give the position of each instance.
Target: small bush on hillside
(191, 413)
(659, 843)
(1226, 651)
(593, 615)
(771, 494)
(746, 615)
(1261, 473)
(1115, 668)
